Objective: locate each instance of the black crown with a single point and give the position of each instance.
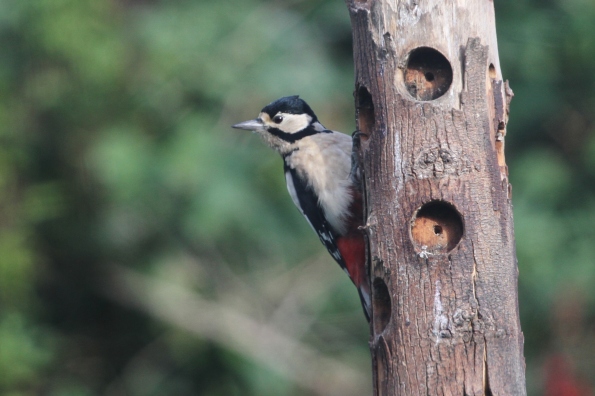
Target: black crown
(291, 105)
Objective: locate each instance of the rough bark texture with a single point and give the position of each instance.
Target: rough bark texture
(439, 215)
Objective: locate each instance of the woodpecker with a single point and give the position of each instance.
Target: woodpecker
(322, 181)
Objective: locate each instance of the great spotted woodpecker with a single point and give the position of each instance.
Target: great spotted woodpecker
(321, 180)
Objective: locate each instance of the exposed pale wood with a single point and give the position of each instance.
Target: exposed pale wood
(444, 278)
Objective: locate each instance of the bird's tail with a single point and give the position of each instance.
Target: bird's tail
(366, 298)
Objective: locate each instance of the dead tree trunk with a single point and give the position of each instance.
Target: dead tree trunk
(430, 98)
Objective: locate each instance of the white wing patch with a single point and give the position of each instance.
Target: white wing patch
(294, 197)
(337, 256)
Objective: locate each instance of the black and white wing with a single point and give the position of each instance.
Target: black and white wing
(307, 202)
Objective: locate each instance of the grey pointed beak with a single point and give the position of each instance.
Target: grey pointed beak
(251, 125)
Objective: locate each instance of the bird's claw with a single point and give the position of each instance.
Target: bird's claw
(356, 137)
(356, 156)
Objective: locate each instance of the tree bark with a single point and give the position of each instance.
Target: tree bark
(433, 108)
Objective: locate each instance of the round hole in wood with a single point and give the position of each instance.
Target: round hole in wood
(365, 111)
(436, 228)
(382, 306)
(428, 74)
(492, 71)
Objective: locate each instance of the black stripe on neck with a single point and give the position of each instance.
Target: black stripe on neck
(294, 137)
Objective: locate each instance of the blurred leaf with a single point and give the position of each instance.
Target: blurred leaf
(24, 351)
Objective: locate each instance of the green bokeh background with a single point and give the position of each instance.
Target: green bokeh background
(146, 248)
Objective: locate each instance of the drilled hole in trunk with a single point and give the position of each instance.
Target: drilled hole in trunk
(436, 228)
(382, 306)
(365, 112)
(428, 74)
(492, 71)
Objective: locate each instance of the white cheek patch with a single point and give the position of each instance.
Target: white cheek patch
(293, 123)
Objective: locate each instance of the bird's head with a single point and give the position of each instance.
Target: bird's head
(283, 123)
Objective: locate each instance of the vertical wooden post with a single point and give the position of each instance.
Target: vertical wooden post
(430, 98)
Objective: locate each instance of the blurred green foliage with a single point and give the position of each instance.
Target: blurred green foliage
(117, 152)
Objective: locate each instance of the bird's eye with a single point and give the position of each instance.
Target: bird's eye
(277, 119)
